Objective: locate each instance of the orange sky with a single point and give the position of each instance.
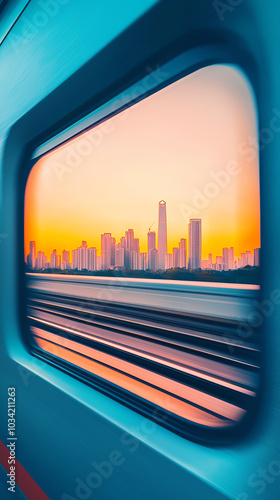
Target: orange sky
(165, 147)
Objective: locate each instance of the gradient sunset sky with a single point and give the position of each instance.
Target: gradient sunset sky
(162, 148)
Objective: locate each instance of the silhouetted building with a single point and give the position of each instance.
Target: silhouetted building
(162, 235)
(152, 251)
(31, 257)
(107, 251)
(169, 261)
(119, 257)
(54, 260)
(92, 259)
(176, 257)
(66, 259)
(257, 252)
(142, 261)
(183, 252)
(194, 244)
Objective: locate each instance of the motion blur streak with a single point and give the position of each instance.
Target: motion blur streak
(225, 409)
(151, 340)
(172, 404)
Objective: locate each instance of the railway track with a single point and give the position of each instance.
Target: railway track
(197, 368)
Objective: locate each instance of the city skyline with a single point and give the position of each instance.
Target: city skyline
(175, 145)
(126, 254)
(177, 259)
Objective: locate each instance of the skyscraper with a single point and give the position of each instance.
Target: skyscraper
(66, 258)
(247, 259)
(228, 258)
(231, 258)
(225, 259)
(162, 235)
(169, 261)
(129, 236)
(75, 259)
(91, 259)
(152, 252)
(119, 260)
(142, 261)
(195, 243)
(54, 260)
(83, 256)
(176, 257)
(40, 260)
(129, 257)
(219, 263)
(257, 256)
(98, 263)
(31, 257)
(135, 254)
(183, 252)
(107, 250)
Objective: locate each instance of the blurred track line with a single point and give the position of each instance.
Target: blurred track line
(191, 365)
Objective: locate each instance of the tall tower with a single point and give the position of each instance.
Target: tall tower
(231, 258)
(183, 252)
(66, 258)
(195, 243)
(129, 256)
(54, 259)
(225, 259)
(162, 235)
(83, 256)
(257, 256)
(107, 251)
(31, 257)
(152, 252)
(176, 257)
(92, 258)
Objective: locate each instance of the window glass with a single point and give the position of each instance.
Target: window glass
(142, 250)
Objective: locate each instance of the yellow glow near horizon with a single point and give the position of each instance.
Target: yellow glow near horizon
(170, 146)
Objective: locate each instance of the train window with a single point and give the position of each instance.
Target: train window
(142, 254)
